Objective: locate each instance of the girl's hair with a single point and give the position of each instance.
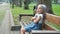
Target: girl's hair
(43, 7)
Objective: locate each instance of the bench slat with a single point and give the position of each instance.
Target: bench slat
(53, 18)
(44, 32)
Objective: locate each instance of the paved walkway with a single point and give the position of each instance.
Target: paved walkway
(7, 22)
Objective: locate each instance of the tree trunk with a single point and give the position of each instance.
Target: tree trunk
(39, 2)
(20, 3)
(26, 4)
(12, 3)
(15, 2)
(55, 1)
(48, 4)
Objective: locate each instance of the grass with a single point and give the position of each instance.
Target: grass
(53, 25)
(56, 9)
(17, 10)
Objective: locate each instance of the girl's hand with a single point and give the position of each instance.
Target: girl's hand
(33, 18)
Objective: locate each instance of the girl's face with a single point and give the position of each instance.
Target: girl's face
(39, 9)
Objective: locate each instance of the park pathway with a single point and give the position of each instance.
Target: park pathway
(5, 24)
(5, 27)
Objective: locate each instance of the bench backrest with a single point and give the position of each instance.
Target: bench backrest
(53, 18)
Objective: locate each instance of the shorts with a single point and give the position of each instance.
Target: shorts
(33, 26)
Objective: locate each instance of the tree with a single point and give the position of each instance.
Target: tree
(17, 2)
(20, 3)
(47, 3)
(26, 4)
(12, 3)
(56, 1)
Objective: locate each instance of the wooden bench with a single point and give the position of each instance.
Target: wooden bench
(22, 23)
(23, 18)
(20, 15)
(50, 19)
(45, 32)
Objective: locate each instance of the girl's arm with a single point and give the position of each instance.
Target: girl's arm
(37, 19)
(33, 18)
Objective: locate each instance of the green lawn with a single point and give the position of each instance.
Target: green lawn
(53, 25)
(17, 10)
(56, 9)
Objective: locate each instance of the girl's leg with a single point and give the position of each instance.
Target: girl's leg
(27, 28)
(22, 31)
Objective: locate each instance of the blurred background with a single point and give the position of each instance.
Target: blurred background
(17, 7)
(27, 6)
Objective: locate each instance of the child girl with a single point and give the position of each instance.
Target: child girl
(36, 23)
